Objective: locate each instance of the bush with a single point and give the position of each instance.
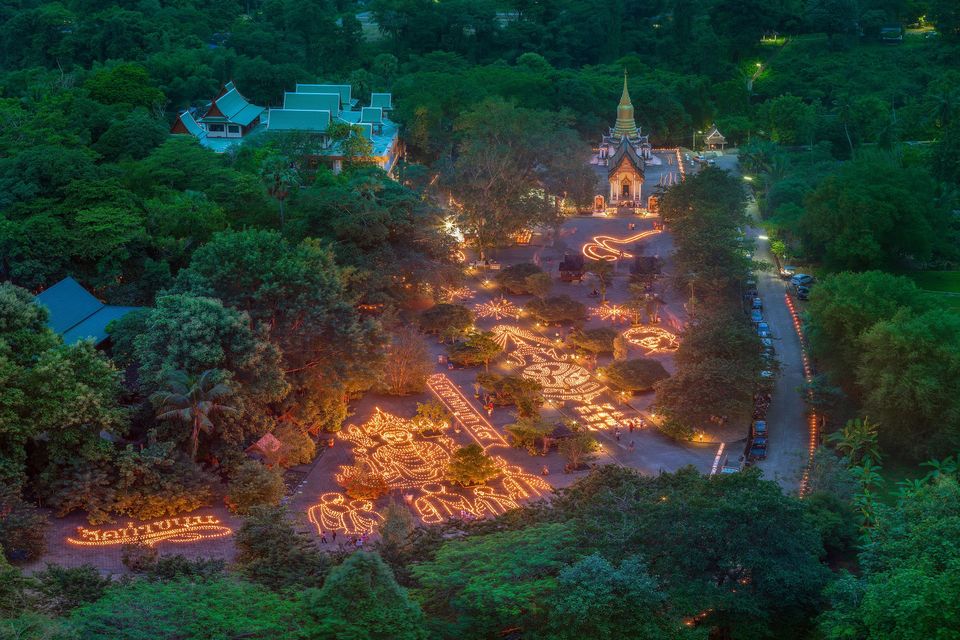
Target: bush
(252, 485)
(470, 465)
(23, 529)
(578, 450)
(513, 279)
(298, 446)
(138, 557)
(363, 484)
(525, 394)
(639, 374)
(595, 341)
(479, 348)
(159, 481)
(64, 588)
(431, 416)
(446, 319)
(557, 310)
(528, 433)
(272, 553)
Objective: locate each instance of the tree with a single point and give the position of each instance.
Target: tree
(271, 552)
(639, 374)
(495, 171)
(408, 363)
(578, 449)
(481, 585)
(528, 432)
(361, 599)
(253, 484)
(355, 146)
(594, 341)
(515, 278)
(788, 119)
(908, 583)
(63, 589)
(432, 416)
(124, 84)
(194, 401)
(857, 440)
(866, 216)
(525, 393)
(446, 319)
(595, 599)
(362, 483)
(188, 609)
(603, 271)
(279, 176)
(478, 348)
(470, 465)
(557, 310)
(720, 387)
(539, 284)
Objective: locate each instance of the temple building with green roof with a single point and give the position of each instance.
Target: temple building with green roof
(311, 109)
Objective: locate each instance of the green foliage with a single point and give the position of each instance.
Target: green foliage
(526, 394)
(909, 584)
(528, 433)
(478, 348)
(23, 528)
(469, 465)
(253, 484)
(63, 589)
(187, 609)
(579, 449)
(272, 553)
(446, 320)
(557, 310)
(408, 363)
(638, 374)
(361, 599)
(598, 340)
(513, 279)
(124, 84)
(361, 483)
(478, 586)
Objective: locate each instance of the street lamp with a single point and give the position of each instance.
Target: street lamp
(695, 139)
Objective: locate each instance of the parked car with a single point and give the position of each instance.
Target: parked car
(767, 342)
(801, 279)
(788, 271)
(803, 293)
(758, 454)
(760, 443)
(756, 316)
(757, 303)
(759, 428)
(766, 374)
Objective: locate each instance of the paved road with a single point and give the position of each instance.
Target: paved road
(787, 417)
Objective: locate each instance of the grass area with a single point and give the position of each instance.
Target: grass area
(937, 280)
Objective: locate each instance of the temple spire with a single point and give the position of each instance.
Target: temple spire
(626, 126)
(625, 96)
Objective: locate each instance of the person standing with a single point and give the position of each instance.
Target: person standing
(323, 536)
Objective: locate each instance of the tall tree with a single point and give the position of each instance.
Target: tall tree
(194, 401)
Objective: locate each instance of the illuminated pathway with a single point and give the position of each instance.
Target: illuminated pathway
(183, 529)
(603, 247)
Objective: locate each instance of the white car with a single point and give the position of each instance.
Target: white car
(801, 279)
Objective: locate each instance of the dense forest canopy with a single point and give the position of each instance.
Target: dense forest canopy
(272, 291)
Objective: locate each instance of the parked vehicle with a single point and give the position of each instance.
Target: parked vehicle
(760, 442)
(756, 316)
(802, 279)
(759, 428)
(803, 293)
(757, 303)
(758, 454)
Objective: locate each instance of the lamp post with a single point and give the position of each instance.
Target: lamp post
(695, 139)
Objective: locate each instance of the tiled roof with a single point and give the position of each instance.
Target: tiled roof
(76, 314)
(298, 120)
(191, 125)
(312, 101)
(382, 100)
(236, 109)
(373, 115)
(342, 89)
(625, 150)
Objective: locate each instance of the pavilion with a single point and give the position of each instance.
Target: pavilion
(75, 314)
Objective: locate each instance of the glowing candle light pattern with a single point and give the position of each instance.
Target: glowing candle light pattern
(463, 412)
(177, 530)
(652, 339)
(417, 465)
(497, 309)
(614, 312)
(603, 247)
(812, 419)
(455, 294)
(600, 416)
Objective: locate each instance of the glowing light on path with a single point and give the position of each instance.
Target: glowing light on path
(184, 529)
(652, 339)
(497, 309)
(604, 247)
(614, 312)
(455, 294)
(812, 419)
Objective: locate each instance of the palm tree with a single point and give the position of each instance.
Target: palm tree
(194, 400)
(279, 176)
